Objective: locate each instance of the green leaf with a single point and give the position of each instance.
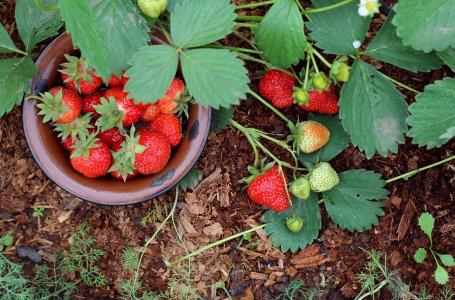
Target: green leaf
(172, 3)
(35, 25)
(281, 35)
(335, 30)
(14, 76)
(446, 259)
(6, 44)
(420, 255)
(123, 28)
(440, 275)
(221, 118)
(372, 111)
(196, 23)
(339, 140)
(151, 73)
(280, 235)
(426, 25)
(191, 180)
(432, 115)
(214, 77)
(388, 47)
(350, 204)
(426, 223)
(448, 57)
(81, 22)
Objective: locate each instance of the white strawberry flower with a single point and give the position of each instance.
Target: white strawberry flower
(356, 44)
(368, 7)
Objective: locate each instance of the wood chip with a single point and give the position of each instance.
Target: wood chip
(187, 225)
(212, 230)
(395, 258)
(258, 276)
(308, 258)
(64, 216)
(271, 280)
(247, 295)
(405, 221)
(291, 271)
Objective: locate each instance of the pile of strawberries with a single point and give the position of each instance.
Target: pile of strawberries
(106, 131)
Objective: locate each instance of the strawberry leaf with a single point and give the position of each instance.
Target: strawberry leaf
(152, 70)
(350, 204)
(432, 115)
(6, 44)
(448, 57)
(214, 77)
(123, 28)
(80, 21)
(14, 76)
(196, 23)
(388, 47)
(339, 140)
(171, 4)
(430, 27)
(419, 255)
(35, 25)
(281, 34)
(372, 111)
(336, 30)
(191, 180)
(280, 235)
(221, 118)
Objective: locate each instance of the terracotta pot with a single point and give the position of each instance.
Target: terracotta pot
(54, 161)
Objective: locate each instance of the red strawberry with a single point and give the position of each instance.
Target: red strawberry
(169, 127)
(325, 102)
(111, 136)
(77, 76)
(116, 109)
(60, 105)
(156, 155)
(278, 88)
(90, 100)
(169, 103)
(70, 132)
(69, 143)
(116, 81)
(269, 189)
(150, 112)
(120, 174)
(91, 157)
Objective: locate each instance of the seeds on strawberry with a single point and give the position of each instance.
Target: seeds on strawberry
(90, 157)
(294, 224)
(111, 136)
(269, 189)
(277, 87)
(77, 76)
(324, 102)
(310, 136)
(91, 100)
(171, 101)
(169, 127)
(156, 155)
(301, 188)
(152, 8)
(59, 105)
(117, 81)
(150, 112)
(323, 177)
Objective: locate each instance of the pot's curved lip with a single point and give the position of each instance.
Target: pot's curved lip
(53, 160)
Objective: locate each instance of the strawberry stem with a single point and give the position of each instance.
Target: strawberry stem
(270, 106)
(249, 18)
(413, 172)
(253, 5)
(238, 49)
(310, 53)
(249, 25)
(326, 8)
(247, 57)
(44, 7)
(165, 33)
(399, 83)
(321, 58)
(214, 244)
(307, 73)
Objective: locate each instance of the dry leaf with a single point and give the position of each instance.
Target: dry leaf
(214, 229)
(64, 216)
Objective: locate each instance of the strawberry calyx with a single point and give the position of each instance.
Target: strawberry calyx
(255, 172)
(301, 96)
(84, 144)
(125, 157)
(51, 107)
(110, 114)
(77, 69)
(319, 81)
(79, 127)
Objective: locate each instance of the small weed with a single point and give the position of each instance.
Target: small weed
(446, 294)
(6, 240)
(426, 223)
(130, 259)
(296, 289)
(12, 284)
(38, 212)
(152, 217)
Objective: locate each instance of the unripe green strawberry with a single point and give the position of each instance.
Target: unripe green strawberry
(301, 96)
(341, 73)
(301, 188)
(294, 224)
(320, 81)
(323, 177)
(310, 136)
(152, 8)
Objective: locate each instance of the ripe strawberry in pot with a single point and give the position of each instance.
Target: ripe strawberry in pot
(117, 110)
(173, 100)
(156, 155)
(90, 156)
(169, 126)
(77, 76)
(89, 102)
(111, 136)
(59, 105)
(70, 132)
(122, 166)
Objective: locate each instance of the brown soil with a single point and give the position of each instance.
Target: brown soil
(219, 207)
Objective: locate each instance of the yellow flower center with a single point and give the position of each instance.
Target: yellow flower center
(370, 6)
